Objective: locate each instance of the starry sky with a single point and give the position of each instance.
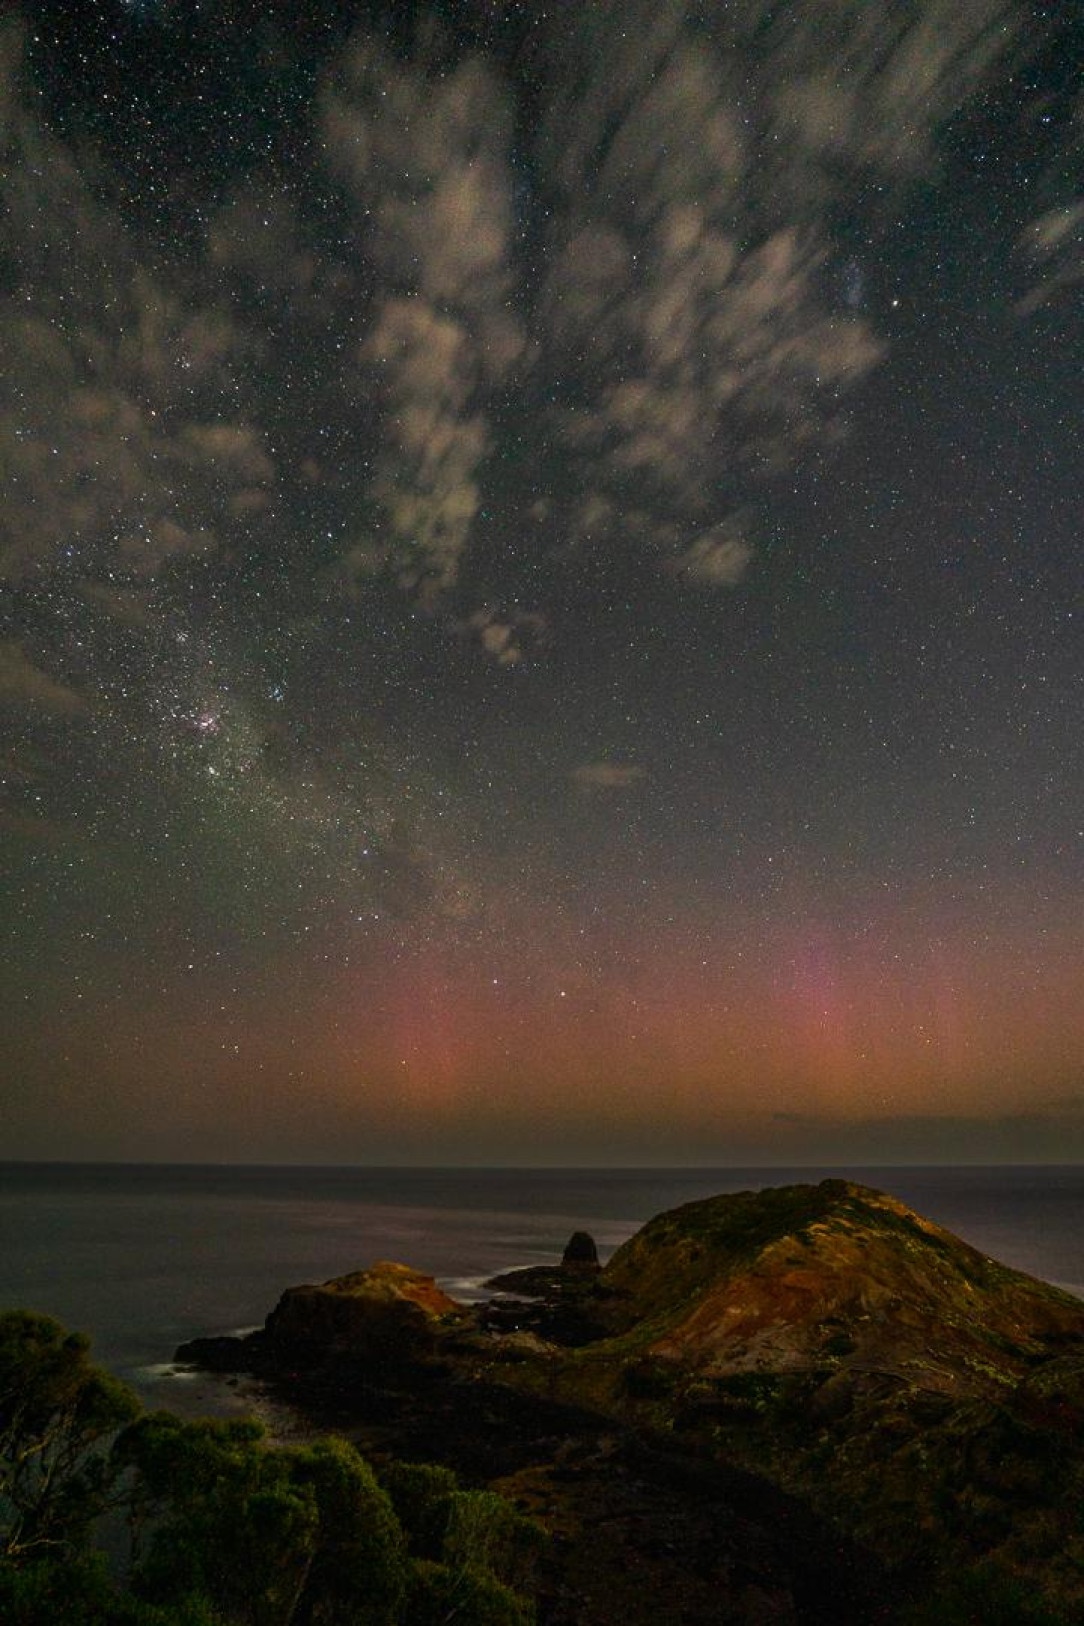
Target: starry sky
(540, 581)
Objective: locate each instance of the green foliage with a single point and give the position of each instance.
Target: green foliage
(463, 1529)
(270, 1536)
(441, 1596)
(359, 1566)
(307, 1537)
(485, 1532)
(56, 1410)
(223, 1520)
(421, 1493)
(47, 1591)
(226, 1528)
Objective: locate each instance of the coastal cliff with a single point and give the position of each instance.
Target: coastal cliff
(825, 1289)
(825, 1340)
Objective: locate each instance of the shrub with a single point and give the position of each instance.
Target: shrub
(421, 1494)
(270, 1536)
(227, 1529)
(440, 1594)
(56, 1411)
(485, 1532)
(359, 1566)
(77, 1591)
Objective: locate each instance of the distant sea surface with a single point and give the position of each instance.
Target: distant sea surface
(143, 1257)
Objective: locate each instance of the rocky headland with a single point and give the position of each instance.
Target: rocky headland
(800, 1404)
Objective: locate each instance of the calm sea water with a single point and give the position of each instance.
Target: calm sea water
(143, 1257)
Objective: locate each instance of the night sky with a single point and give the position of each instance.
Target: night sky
(540, 581)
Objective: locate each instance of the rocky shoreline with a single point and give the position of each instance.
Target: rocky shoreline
(755, 1413)
(641, 1533)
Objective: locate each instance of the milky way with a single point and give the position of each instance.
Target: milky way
(540, 584)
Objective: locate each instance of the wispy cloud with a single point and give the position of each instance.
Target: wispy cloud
(641, 272)
(507, 636)
(720, 557)
(1054, 248)
(424, 162)
(695, 347)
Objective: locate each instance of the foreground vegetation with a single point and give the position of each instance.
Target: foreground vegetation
(113, 1518)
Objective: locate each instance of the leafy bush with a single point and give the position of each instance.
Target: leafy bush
(440, 1595)
(421, 1494)
(485, 1532)
(462, 1529)
(221, 1517)
(269, 1535)
(359, 1568)
(47, 1591)
(56, 1411)
(227, 1529)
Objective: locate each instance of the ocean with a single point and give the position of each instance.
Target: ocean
(142, 1257)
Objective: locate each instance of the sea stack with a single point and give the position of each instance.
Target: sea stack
(580, 1257)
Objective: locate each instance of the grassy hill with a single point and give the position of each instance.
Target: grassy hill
(926, 1398)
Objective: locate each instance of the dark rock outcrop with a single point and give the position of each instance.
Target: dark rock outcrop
(579, 1264)
(581, 1254)
(557, 1302)
(222, 1354)
(386, 1312)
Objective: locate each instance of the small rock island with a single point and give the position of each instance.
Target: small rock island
(806, 1403)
